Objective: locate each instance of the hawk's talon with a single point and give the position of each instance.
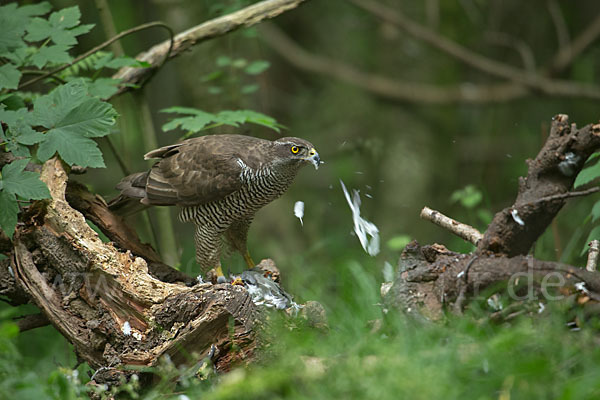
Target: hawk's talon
(237, 281)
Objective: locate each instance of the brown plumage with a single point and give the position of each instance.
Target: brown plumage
(219, 181)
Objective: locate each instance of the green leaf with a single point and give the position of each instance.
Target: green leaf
(469, 197)
(103, 87)
(587, 175)
(248, 89)
(55, 54)
(596, 211)
(257, 67)
(19, 131)
(9, 210)
(72, 147)
(200, 119)
(58, 27)
(69, 108)
(26, 184)
(126, 61)
(14, 20)
(398, 242)
(9, 76)
(223, 61)
(73, 117)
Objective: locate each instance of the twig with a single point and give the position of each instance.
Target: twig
(100, 47)
(487, 65)
(464, 231)
(566, 195)
(566, 55)
(519, 45)
(220, 26)
(593, 253)
(562, 32)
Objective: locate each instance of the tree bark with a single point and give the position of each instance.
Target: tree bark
(105, 301)
(431, 279)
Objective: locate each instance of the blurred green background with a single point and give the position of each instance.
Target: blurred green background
(459, 157)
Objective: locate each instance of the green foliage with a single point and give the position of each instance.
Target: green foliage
(469, 196)
(36, 126)
(199, 120)
(14, 181)
(72, 118)
(589, 174)
(227, 77)
(398, 242)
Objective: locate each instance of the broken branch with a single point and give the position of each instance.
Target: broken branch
(461, 230)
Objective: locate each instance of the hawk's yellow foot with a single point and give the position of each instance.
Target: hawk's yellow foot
(248, 260)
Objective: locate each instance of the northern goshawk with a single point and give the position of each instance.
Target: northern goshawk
(219, 182)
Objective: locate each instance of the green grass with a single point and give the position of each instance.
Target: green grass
(460, 358)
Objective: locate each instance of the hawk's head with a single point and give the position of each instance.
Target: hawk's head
(293, 150)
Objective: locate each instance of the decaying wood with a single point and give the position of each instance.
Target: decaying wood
(105, 302)
(431, 279)
(593, 253)
(514, 229)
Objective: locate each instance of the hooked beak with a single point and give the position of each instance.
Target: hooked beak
(314, 158)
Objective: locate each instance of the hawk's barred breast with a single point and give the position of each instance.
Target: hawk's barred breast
(220, 182)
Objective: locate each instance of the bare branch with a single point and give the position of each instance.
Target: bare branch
(461, 230)
(387, 87)
(487, 65)
(32, 321)
(566, 55)
(519, 45)
(562, 32)
(593, 253)
(562, 196)
(245, 17)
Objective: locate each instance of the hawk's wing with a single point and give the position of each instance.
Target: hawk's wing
(197, 170)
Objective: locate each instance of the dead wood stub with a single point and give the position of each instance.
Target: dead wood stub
(514, 230)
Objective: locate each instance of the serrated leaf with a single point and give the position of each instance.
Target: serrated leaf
(257, 67)
(13, 21)
(30, 137)
(587, 175)
(17, 149)
(9, 76)
(26, 184)
(104, 87)
(73, 117)
(55, 54)
(9, 210)
(58, 27)
(72, 147)
(69, 108)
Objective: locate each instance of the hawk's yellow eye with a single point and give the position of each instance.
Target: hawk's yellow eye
(295, 149)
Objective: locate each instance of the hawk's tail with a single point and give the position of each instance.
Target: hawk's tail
(133, 190)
